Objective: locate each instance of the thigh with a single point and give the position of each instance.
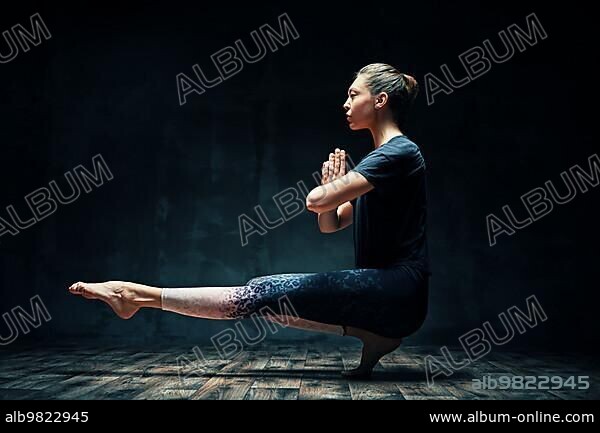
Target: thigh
(384, 301)
(391, 302)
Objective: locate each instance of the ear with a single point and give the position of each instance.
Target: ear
(381, 100)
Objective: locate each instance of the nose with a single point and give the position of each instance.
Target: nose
(346, 106)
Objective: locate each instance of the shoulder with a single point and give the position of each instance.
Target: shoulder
(404, 152)
(400, 146)
(399, 156)
(397, 148)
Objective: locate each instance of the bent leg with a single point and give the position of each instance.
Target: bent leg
(374, 348)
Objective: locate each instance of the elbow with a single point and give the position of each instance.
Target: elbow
(327, 231)
(311, 206)
(313, 202)
(317, 202)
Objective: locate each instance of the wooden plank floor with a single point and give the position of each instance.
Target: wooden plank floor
(276, 371)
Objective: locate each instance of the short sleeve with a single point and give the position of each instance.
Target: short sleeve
(387, 164)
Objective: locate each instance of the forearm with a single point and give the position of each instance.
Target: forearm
(329, 221)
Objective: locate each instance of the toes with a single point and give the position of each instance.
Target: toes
(357, 374)
(76, 288)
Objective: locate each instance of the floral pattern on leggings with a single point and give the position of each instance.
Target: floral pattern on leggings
(391, 302)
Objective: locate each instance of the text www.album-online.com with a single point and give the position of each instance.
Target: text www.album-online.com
(504, 417)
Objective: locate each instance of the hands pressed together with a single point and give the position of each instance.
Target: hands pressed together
(335, 167)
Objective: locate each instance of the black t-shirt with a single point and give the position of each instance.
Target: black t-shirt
(390, 220)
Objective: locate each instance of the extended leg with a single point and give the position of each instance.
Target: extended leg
(231, 303)
(294, 322)
(124, 298)
(361, 299)
(127, 298)
(217, 303)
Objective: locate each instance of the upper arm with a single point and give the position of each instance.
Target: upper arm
(345, 215)
(386, 165)
(379, 169)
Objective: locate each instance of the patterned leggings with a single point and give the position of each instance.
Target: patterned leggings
(391, 302)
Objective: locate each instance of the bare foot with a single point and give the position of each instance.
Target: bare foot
(374, 348)
(108, 292)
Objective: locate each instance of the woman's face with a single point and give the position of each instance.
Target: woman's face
(360, 105)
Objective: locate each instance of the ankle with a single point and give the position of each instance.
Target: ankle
(123, 292)
(350, 331)
(140, 295)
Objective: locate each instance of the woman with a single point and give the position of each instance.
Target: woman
(383, 299)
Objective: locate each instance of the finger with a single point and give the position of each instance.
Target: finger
(324, 172)
(336, 166)
(343, 162)
(330, 164)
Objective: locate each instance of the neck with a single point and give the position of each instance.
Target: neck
(384, 132)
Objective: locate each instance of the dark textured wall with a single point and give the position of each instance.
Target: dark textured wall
(104, 83)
